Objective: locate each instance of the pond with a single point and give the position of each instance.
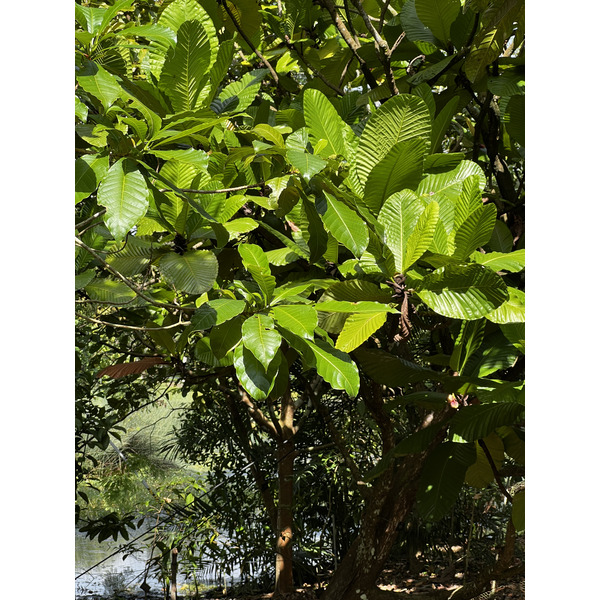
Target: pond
(100, 573)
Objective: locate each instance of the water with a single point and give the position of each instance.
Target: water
(119, 574)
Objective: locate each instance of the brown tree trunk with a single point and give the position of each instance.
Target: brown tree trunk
(285, 471)
(173, 582)
(391, 501)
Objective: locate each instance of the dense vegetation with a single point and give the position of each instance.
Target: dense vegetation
(309, 218)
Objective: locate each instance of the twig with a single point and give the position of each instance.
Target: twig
(225, 5)
(495, 471)
(90, 219)
(222, 191)
(383, 11)
(133, 327)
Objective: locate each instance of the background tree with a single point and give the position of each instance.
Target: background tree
(288, 198)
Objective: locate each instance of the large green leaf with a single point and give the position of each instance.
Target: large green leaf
(307, 164)
(511, 311)
(513, 262)
(323, 122)
(238, 96)
(466, 292)
(438, 15)
(193, 272)
(252, 375)
(479, 420)
(343, 306)
(109, 290)
(518, 511)
(257, 264)
(261, 338)
(358, 328)
(401, 168)
(334, 366)
(442, 478)
(450, 183)
(98, 82)
(475, 231)
(467, 342)
(90, 169)
(344, 224)
(216, 312)
(391, 370)
(300, 319)
(409, 224)
(442, 122)
(184, 73)
(403, 117)
(226, 336)
(124, 194)
(415, 29)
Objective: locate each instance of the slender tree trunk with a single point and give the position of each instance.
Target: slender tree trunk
(173, 595)
(285, 470)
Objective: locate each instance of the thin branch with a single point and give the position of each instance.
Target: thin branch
(495, 470)
(397, 42)
(237, 25)
(383, 51)
(223, 191)
(126, 281)
(133, 327)
(383, 11)
(90, 219)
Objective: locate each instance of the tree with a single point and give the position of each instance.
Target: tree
(286, 198)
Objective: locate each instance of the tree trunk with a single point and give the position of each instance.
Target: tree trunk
(173, 582)
(285, 471)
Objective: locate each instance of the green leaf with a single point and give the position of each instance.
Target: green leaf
(81, 110)
(450, 183)
(344, 224)
(334, 366)
(391, 370)
(401, 168)
(193, 272)
(260, 337)
(323, 122)
(513, 262)
(358, 328)
(342, 306)
(226, 336)
(438, 15)
(399, 216)
(253, 377)
(511, 311)
(307, 164)
(257, 264)
(216, 312)
(82, 279)
(442, 122)
(98, 82)
(403, 117)
(416, 30)
(300, 319)
(109, 290)
(514, 118)
(463, 292)
(502, 238)
(184, 73)
(237, 96)
(90, 169)
(151, 32)
(479, 420)
(422, 236)
(475, 231)
(467, 343)
(124, 193)
(442, 478)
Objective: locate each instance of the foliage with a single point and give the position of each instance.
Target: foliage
(290, 201)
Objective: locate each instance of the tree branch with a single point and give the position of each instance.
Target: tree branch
(495, 470)
(223, 191)
(119, 326)
(224, 4)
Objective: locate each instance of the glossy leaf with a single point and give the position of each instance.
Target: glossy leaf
(216, 312)
(226, 336)
(260, 337)
(344, 224)
(299, 319)
(511, 311)
(307, 164)
(98, 82)
(475, 231)
(401, 168)
(480, 473)
(257, 264)
(323, 122)
(238, 95)
(89, 171)
(193, 272)
(252, 375)
(463, 292)
(513, 262)
(358, 328)
(478, 421)
(438, 16)
(124, 194)
(335, 367)
(401, 118)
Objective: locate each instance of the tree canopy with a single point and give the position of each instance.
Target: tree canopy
(312, 214)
